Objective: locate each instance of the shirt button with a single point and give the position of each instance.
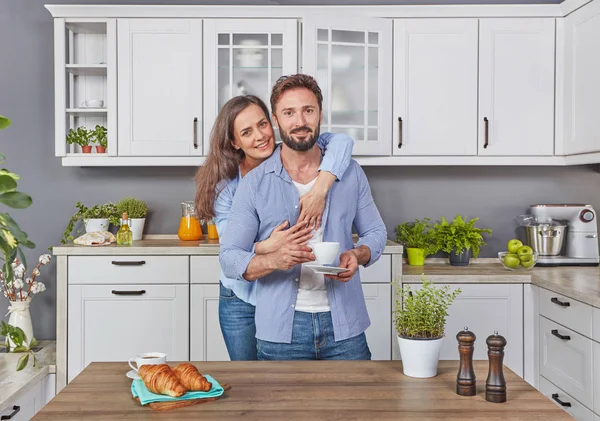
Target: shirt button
(296, 207)
(296, 279)
(292, 306)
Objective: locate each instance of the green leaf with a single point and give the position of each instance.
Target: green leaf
(15, 199)
(22, 256)
(4, 122)
(17, 336)
(33, 343)
(20, 348)
(5, 328)
(13, 227)
(22, 363)
(7, 183)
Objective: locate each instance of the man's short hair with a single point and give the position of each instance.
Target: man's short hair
(285, 83)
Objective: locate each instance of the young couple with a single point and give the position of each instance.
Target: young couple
(270, 203)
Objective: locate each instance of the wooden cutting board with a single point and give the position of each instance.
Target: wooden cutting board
(165, 406)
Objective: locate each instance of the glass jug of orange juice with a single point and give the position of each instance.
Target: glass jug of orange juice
(189, 225)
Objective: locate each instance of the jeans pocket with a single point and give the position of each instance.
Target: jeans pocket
(225, 292)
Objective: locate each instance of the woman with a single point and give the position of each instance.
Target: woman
(241, 139)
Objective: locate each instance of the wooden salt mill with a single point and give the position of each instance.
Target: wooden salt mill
(495, 385)
(465, 379)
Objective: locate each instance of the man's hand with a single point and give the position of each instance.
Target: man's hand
(348, 260)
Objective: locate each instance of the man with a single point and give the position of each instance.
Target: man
(299, 313)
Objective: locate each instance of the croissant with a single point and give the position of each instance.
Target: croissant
(191, 378)
(160, 379)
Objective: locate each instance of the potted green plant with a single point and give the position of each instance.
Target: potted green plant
(96, 218)
(81, 137)
(420, 319)
(460, 239)
(99, 137)
(21, 343)
(419, 239)
(136, 210)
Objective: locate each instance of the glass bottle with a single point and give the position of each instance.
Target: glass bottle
(189, 225)
(213, 234)
(124, 235)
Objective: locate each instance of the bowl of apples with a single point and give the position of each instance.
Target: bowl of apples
(518, 256)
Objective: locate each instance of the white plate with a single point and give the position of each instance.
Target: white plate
(132, 374)
(326, 270)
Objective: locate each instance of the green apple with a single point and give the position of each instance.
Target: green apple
(513, 245)
(527, 260)
(511, 260)
(524, 251)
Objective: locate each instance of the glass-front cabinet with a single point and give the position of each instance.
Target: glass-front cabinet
(352, 62)
(245, 57)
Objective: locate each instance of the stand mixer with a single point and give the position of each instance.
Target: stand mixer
(564, 234)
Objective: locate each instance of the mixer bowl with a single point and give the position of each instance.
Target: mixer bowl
(546, 239)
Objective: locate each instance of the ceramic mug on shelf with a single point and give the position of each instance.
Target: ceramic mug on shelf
(92, 103)
(147, 358)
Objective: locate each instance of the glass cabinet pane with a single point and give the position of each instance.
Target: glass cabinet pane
(356, 37)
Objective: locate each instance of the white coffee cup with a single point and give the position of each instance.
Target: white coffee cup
(93, 103)
(148, 358)
(325, 252)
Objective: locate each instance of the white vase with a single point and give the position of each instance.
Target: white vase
(21, 317)
(420, 356)
(136, 225)
(96, 224)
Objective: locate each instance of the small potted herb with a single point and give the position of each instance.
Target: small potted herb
(419, 239)
(96, 218)
(99, 137)
(420, 319)
(21, 344)
(137, 211)
(81, 137)
(460, 239)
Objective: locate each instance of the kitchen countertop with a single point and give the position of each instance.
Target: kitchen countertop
(577, 282)
(307, 390)
(14, 382)
(164, 245)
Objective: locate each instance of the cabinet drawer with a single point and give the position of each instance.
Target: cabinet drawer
(555, 394)
(596, 407)
(378, 298)
(205, 270)
(379, 272)
(596, 324)
(128, 270)
(568, 312)
(566, 362)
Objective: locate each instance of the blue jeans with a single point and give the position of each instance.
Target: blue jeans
(237, 325)
(312, 339)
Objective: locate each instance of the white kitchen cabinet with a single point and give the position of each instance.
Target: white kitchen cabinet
(565, 401)
(244, 56)
(581, 83)
(351, 59)
(116, 322)
(484, 309)
(160, 87)
(206, 339)
(596, 358)
(516, 87)
(378, 298)
(435, 87)
(28, 403)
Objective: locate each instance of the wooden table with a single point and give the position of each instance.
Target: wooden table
(307, 390)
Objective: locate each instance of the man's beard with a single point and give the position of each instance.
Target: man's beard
(302, 145)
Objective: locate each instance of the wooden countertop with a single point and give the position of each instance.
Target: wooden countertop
(307, 390)
(164, 245)
(577, 282)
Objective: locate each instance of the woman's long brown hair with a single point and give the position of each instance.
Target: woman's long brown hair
(223, 159)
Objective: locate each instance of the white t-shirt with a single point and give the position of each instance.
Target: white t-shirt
(312, 295)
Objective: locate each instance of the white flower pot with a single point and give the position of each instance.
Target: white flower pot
(420, 356)
(21, 317)
(136, 225)
(96, 224)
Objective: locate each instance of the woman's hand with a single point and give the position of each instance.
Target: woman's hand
(312, 205)
(299, 234)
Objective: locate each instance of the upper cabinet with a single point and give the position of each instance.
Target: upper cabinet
(435, 87)
(351, 59)
(160, 87)
(243, 57)
(516, 87)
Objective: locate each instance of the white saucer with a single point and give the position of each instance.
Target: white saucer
(132, 374)
(326, 270)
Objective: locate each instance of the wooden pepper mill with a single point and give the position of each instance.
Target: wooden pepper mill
(495, 385)
(465, 379)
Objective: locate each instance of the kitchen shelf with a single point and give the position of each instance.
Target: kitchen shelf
(250, 67)
(87, 69)
(87, 112)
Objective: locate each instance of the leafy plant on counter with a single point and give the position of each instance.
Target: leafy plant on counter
(135, 208)
(99, 136)
(81, 136)
(421, 313)
(107, 210)
(418, 234)
(460, 234)
(18, 337)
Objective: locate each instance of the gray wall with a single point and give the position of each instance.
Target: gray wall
(494, 194)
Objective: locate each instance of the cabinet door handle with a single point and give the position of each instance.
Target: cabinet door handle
(399, 132)
(129, 263)
(16, 409)
(140, 292)
(195, 132)
(561, 403)
(558, 335)
(560, 303)
(486, 130)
